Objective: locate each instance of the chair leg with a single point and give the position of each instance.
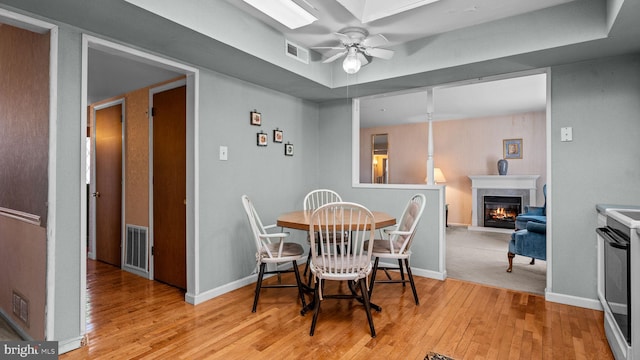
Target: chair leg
(401, 271)
(316, 308)
(533, 261)
(367, 305)
(299, 282)
(373, 276)
(258, 286)
(413, 285)
(510, 255)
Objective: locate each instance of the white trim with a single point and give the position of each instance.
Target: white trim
(20, 215)
(549, 194)
(355, 114)
(355, 143)
(196, 299)
(28, 23)
(442, 232)
(51, 210)
(193, 194)
(67, 345)
(83, 190)
(593, 304)
(437, 275)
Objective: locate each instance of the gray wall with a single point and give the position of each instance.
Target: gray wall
(67, 185)
(601, 100)
(276, 183)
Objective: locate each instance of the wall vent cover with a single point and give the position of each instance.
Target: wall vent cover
(136, 247)
(299, 53)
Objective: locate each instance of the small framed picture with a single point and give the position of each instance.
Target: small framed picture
(277, 136)
(512, 148)
(262, 139)
(288, 149)
(256, 118)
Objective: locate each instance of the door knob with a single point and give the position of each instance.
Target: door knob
(96, 194)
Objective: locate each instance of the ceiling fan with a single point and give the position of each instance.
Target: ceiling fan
(359, 47)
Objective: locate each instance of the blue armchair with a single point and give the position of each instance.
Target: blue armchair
(531, 242)
(533, 213)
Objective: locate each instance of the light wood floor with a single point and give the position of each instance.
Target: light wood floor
(132, 318)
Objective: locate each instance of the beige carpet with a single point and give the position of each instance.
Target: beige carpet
(481, 257)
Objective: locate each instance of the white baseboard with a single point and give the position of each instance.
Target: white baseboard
(69, 344)
(234, 285)
(592, 304)
(429, 273)
(220, 290)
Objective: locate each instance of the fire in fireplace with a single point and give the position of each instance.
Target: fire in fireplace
(501, 211)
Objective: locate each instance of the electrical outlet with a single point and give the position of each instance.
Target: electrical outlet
(566, 134)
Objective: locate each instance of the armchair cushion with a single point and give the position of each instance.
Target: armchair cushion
(530, 242)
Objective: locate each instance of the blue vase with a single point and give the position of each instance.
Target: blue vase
(503, 165)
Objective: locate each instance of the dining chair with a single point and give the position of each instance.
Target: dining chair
(313, 200)
(272, 249)
(396, 244)
(319, 197)
(352, 263)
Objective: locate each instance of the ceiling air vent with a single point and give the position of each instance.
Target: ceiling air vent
(296, 52)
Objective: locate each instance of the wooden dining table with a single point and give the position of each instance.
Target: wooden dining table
(301, 219)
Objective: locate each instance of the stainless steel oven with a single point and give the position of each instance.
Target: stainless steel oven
(616, 274)
(618, 279)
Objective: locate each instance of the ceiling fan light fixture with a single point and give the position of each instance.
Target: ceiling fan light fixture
(285, 12)
(351, 63)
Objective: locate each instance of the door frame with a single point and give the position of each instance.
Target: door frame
(192, 79)
(153, 91)
(91, 254)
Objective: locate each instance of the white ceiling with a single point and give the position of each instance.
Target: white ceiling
(397, 26)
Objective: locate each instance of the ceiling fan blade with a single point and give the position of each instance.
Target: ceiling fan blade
(344, 38)
(379, 53)
(375, 40)
(334, 57)
(363, 59)
(328, 47)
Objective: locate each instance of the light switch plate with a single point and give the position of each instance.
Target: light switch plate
(223, 153)
(566, 134)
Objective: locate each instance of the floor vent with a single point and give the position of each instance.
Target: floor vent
(136, 247)
(296, 52)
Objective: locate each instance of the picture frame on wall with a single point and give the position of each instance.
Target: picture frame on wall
(262, 139)
(288, 149)
(278, 135)
(255, 118)
(512, 148)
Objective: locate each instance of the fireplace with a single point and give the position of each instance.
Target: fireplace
(501, 211)
(522, 187)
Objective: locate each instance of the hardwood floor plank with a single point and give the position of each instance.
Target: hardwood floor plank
(129, 317)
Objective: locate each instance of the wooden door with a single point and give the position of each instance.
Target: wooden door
(169, 187)
(108, 195)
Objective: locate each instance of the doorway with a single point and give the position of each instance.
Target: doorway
(133, 69)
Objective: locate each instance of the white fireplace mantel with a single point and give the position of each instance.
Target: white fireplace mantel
(500, 182)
